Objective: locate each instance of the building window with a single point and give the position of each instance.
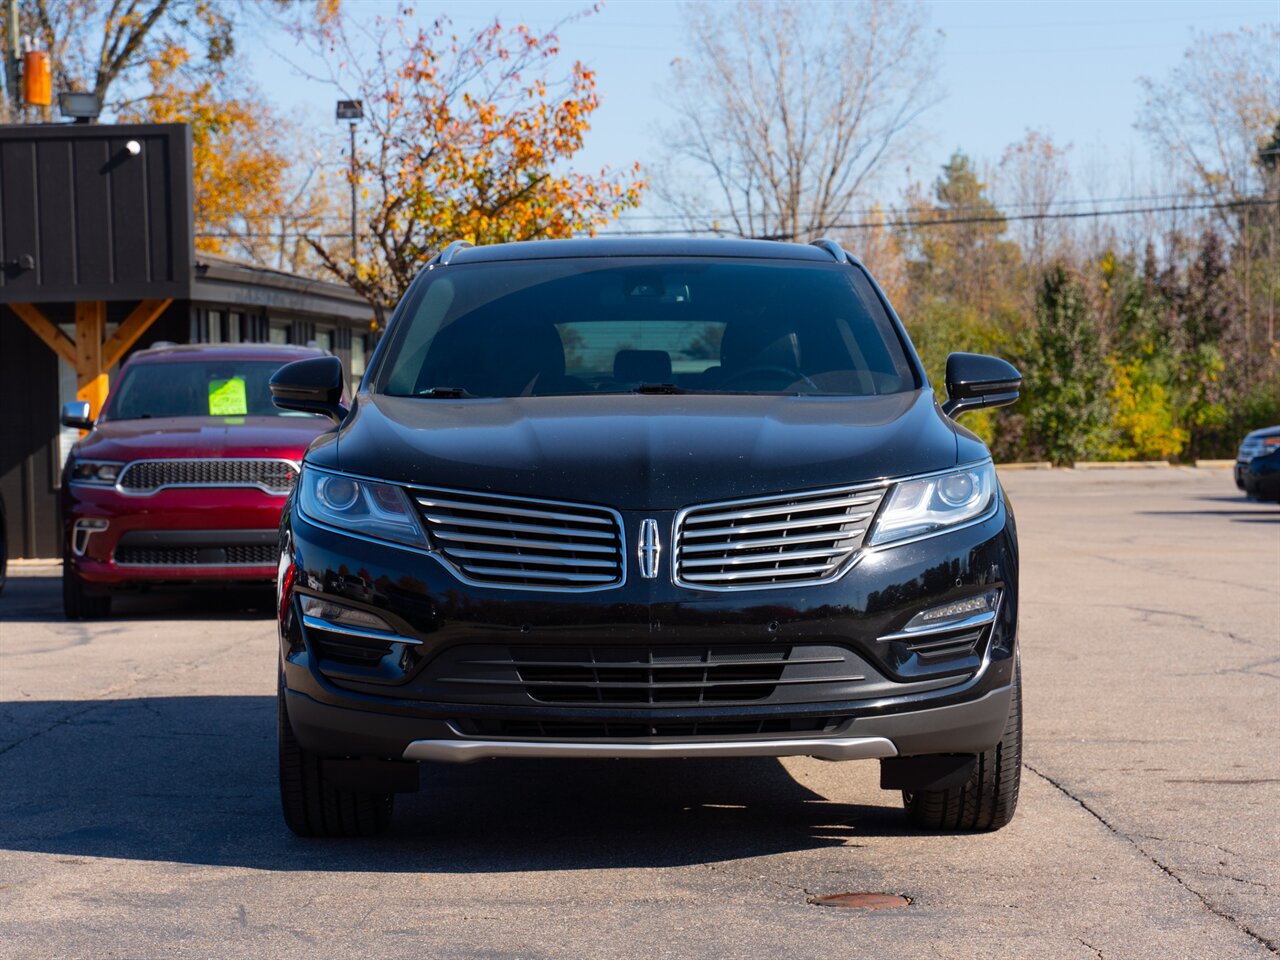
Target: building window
(324, 339)
(213, 332)
(279, 333)
(359, 346)
(233, 328)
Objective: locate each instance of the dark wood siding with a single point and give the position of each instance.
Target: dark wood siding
(28, 440)
(98, 222)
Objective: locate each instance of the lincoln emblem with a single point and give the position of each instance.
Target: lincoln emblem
(649, 549)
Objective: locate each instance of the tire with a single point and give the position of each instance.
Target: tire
(987, 801)
(77, 602)
(312, 806)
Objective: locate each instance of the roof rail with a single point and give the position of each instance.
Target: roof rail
(833, 248)
(448, 252)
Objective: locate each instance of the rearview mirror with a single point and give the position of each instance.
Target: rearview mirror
(310, 386)
(975, 381)
(76, 414)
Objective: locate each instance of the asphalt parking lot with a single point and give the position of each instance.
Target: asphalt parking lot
(138, 813)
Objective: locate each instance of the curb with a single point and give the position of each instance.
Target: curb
(1216, 464)
(1026, 465)
(1123, 465)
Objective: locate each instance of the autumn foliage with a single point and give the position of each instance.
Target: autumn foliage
(236, 167)
(467, 139)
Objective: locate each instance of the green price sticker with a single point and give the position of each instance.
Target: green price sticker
(227, 398)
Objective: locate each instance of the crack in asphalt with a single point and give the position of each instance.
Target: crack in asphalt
(106, 696)
(1259, 938)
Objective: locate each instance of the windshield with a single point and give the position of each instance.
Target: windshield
(621, 325)
(196, 388)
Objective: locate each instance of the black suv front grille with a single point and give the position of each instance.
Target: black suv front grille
(632, 730)
(652, 674)
(521, 542)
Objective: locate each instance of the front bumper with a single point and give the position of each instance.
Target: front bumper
(205, 535)
(399, 708)
(967, 727)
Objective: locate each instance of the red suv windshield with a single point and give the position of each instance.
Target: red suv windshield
(196, 388)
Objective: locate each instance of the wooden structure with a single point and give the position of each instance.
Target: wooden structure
(97, 259)
(93, 215)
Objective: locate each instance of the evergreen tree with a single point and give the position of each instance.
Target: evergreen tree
(1067, 377)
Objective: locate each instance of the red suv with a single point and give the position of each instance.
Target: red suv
(184, 475)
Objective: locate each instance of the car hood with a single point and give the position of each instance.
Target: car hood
(642, 451)
(182, 437)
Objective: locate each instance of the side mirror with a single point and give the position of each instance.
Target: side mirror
(975, 381)
(310, 386)
(76, 414)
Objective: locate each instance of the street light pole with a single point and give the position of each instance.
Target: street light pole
(352, 110)
(353, 189)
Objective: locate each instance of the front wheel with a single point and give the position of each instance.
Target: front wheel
(78, 603)
(314, 807)
(987, 800)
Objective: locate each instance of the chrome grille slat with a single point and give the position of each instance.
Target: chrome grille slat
(780, 525)
(801, 507)
(272, 475)
(509, 511)
(523, 528)
(517, 542)
(492, 539)
(786, 540)
(753, 574)
(532, 558)
(772, 557)
(722, 545)
(516, 573)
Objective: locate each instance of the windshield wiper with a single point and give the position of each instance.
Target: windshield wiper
(659, 388)
(447, 392)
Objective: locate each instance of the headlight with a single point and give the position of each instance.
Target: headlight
(366, 507)
(931, 504)
(103, 473)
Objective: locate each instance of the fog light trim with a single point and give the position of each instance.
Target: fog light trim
(966, 614)
(321, 614)
(83, 530)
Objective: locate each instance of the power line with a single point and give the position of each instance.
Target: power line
(863, 225)
(960, 221)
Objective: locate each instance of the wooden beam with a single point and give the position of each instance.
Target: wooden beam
(46, 330)
(91, 372)
(133, 327)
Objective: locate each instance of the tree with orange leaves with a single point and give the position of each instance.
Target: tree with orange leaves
(235, 165)
(470, 140)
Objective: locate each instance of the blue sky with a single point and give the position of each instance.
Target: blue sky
(1068, 69)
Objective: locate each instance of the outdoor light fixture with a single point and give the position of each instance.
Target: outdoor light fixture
(350, 109)
(82, 107)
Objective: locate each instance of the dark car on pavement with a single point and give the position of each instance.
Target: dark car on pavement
(645, 498)
(183, 477)
(1262, 475)
(1258, 443)
(1255, 444)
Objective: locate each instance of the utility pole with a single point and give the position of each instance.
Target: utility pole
(353, 111)
(13, 57)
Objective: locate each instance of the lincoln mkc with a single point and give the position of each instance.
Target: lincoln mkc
(641, 498)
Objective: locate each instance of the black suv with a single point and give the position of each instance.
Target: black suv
(647, 498)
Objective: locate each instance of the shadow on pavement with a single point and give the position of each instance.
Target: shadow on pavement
(192, 780)
(38, 599)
